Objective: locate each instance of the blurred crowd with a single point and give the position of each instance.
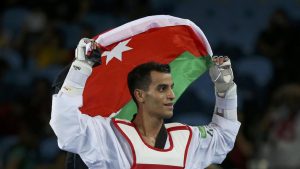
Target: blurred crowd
(38, 38)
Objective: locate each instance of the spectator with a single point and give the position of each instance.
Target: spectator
(281, 127)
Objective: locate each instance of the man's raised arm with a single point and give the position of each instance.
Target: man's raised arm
(66, 118)
(212, 142)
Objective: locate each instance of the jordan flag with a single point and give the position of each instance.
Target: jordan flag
(162, 38)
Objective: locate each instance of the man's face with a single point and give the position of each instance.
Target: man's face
(159, 97)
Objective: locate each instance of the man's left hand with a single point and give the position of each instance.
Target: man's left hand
(221, 74)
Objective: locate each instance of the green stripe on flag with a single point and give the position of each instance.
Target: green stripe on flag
(184, 69)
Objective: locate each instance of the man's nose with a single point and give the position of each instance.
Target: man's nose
(171, 94)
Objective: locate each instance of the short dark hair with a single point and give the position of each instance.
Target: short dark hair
(139, 77)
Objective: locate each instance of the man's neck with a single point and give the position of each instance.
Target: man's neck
(148, 126)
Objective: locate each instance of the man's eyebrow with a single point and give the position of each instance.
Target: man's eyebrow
(164, 85)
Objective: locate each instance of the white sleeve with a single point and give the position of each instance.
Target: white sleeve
(80, 133)
(73, 129)
(211, 143)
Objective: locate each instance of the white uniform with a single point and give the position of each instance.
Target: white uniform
(103, 145)
(100, 145)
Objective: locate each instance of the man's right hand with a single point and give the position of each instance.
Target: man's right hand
(88, 51)
(87, 55)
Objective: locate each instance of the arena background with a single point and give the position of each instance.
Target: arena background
(38, 38)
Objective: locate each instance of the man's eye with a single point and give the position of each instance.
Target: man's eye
(162, 88)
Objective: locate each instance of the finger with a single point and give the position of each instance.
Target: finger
(86, 40)
(226, 64)
(214, 58)
(89, 48)
(222, 60)
(98, 45)
(217, 60)
(94, 46)
(226, 58)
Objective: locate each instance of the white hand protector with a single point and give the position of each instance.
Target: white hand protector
(87, 51)
(221, 74)
(86, 55)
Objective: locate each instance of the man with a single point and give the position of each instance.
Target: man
(144, 142)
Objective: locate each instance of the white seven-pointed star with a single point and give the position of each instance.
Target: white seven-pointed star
(117, 51)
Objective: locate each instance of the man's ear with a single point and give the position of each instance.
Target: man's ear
(139, 95)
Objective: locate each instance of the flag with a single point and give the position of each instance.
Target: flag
(161, 38)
